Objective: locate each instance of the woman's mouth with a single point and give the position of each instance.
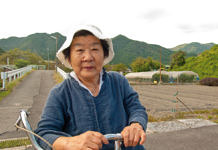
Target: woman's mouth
(88, 67)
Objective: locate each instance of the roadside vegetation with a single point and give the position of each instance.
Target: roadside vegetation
(14, 143)
(205, 64)
(211, 115)
(20, 58)
(10, 86)
(57, 77)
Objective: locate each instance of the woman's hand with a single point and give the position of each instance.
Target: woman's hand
(89, 140)
(133, 134)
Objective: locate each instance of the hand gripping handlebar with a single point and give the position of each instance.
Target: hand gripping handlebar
(23, 117)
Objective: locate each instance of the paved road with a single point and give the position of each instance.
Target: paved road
(30, 95)
(202, 138)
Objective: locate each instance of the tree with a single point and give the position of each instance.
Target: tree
(17, 54)
(153, 64)
(178, 59)
(119, 67)
(20, 63)
(205, 64)
(142, 64)
(1, 51)
(139, 65)
(108, 67)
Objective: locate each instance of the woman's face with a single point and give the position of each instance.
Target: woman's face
(86, 57)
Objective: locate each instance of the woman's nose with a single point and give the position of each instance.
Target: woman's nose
(88, 56)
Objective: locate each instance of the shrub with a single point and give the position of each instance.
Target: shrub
(209, 81)
(20, 63)
(156, 77)
(186, 78)
(139, 79)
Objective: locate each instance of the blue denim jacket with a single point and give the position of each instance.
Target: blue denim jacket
(71, 110)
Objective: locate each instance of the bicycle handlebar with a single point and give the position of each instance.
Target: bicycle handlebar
(23, 118)
(116, 137)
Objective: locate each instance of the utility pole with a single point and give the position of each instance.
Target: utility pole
(8, 61)
(56, 38)
(48, 57)
(160, 68)
(56, 43)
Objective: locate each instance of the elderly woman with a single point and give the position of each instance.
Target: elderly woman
(91, 102)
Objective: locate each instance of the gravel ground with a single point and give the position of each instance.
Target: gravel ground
(176, 125)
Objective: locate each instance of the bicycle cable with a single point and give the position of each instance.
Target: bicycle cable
(44, 140)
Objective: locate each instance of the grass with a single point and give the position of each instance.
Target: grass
(10, 86)
(57, 77)
(14, 143)
(210, 114)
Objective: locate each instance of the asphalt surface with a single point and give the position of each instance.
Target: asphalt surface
(184, 134)
(29, 95)
(201, 138)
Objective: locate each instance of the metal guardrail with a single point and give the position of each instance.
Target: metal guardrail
(62, 73)
(14, 74)
(39, 67)
(10, 67)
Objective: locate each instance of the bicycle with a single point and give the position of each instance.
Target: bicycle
(23, 117)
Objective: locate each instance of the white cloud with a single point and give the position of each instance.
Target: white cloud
(154, 15)
(187, 28)
(164, 22)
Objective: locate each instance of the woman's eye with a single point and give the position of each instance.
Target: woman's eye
(79, 50)
(95, 49)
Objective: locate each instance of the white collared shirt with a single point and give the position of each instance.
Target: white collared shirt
(73, 74)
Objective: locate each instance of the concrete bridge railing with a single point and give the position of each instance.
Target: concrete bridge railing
(12, 75)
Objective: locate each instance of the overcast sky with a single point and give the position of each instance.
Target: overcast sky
(164, 22)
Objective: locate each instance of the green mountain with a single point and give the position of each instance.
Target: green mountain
(205, 64)
(1, 51)
(127, 50)
(39, 43)
(15, 55)
(193, 48)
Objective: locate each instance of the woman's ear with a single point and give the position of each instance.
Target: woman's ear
(69, 60)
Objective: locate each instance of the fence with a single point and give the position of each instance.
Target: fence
(39, 67)
(62, 73)
(13, 74)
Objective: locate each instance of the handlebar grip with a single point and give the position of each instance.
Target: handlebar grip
(116, 137)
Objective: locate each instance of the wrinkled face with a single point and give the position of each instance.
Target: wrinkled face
(86, 57)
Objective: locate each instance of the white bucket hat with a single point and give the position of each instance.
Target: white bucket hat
(95, 31)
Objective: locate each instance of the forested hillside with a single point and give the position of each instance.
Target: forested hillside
(205, 64)
(1, 51)
(193, 48)
(20, 59)
(19, 56)
(127, 50)
(39, 43)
